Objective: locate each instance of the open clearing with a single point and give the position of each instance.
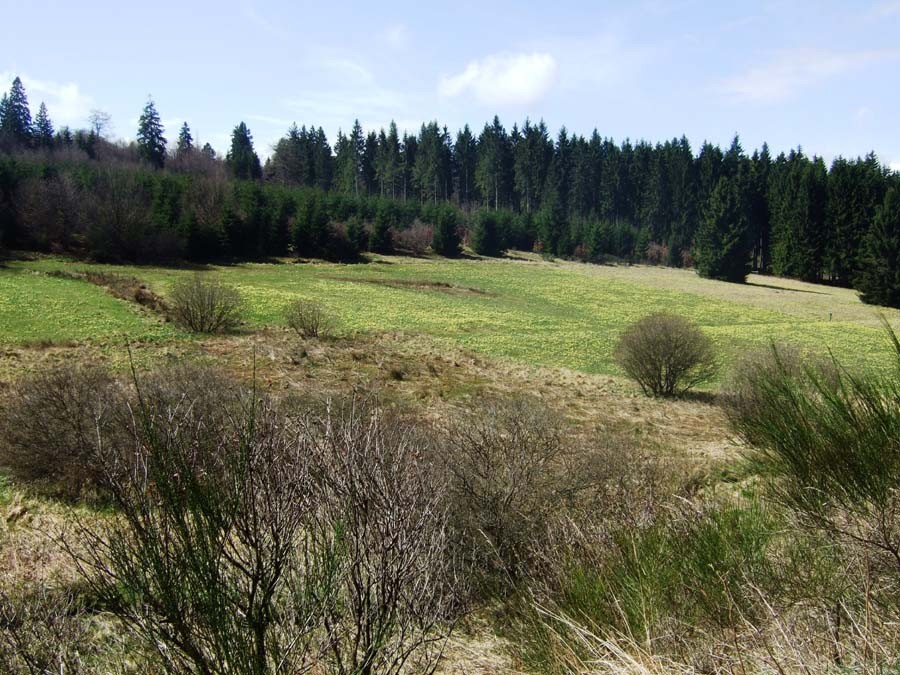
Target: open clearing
(556, 314)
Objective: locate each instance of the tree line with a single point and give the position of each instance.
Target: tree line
(726, 212)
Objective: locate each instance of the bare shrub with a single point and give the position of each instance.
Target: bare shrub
(743, 393)
(256, 543)
(205, 306)
(414, 239)
(308, 319)
(666, 355)
(657, 254)
(49, 428)
(46, 632)
(687, 259)
(381, 516)
(513, 468)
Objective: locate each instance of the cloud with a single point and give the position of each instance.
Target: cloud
(793, 70)
(895, 166)
(504, 79)
(66, 103)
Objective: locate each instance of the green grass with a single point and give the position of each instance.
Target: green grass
(567, 315)
(36, 308)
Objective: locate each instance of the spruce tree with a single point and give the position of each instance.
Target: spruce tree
(241, 158)
(879, 280)
(446, 240)
(487, 240)
(16, 118)
(722, 244)
(43, 128)
(185, 141)
(207, 151)
(150, 139)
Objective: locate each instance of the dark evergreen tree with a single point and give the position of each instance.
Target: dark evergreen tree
(185, 141)
(43, 128)
(207, 151)
(879, 279)
(465, 156)
(242, 158)
(150, 140)
(15, 122)
(446, 239)
(722, 245)
(487, 239)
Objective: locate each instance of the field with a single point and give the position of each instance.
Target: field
(555, 314)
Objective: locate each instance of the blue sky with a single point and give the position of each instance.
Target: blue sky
(823, 75)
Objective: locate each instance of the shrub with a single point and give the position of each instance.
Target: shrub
(204, 306)
(268, 542)
(666, 355)
(512, 469)
(657, 254)
(829, 441)
(308, 319)
(49, 428)
(415, 239)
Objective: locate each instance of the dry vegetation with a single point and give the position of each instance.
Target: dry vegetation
(384, 502)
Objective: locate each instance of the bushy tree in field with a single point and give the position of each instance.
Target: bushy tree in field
(879, 280)
(150, 139)
(242, 158)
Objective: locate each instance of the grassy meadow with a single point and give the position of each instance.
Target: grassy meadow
(524, 309)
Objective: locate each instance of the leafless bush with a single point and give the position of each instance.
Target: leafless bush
(657, 254)
(252, 542)
(743, 393)
(687, 259)
(206, 306)
(382, 518)
(666, 355)
(43, 633)
(308, 319)
(513, 469)
(49, 428)
(415, 239)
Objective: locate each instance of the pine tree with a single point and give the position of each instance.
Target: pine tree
(879, 280)
(16, 117)
(185, 141)
(150, 139)
(241, 158)
(43, 128)
(207, 151)
(722, 245)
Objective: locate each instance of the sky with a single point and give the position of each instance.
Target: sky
(818, 74)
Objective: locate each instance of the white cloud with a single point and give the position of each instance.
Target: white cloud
(895, 166)
(503, 79)
(792, 70)
(66, 103)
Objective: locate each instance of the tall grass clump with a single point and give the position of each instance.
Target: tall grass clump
(206, 306)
